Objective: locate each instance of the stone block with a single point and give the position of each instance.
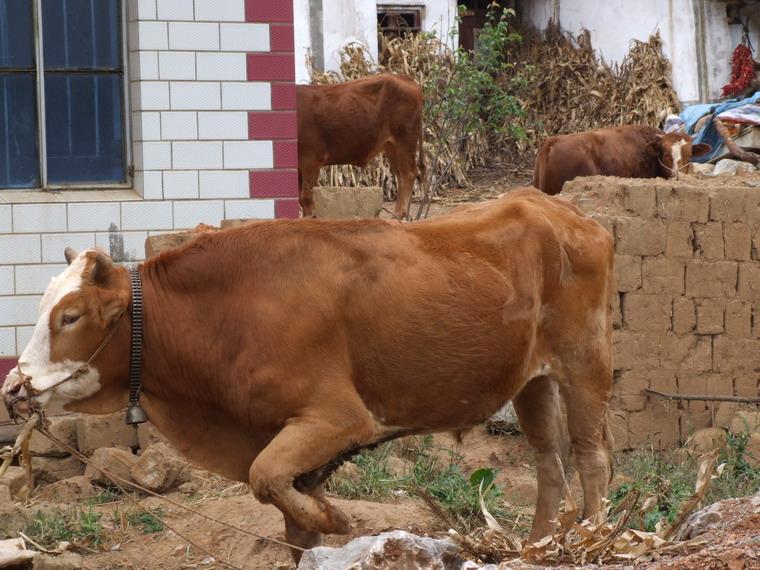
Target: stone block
(66, 490)
(756, 243)
(607, 222)
(710, 316)
(65, 561)
(639, 199)
(663, 275)
(711, 278)
(736, 355)
(14, 479)
(636, 236)
(118, 461)
(747, 385)
(52, 469)
(738, 323)
(708, 241)
(749, 280)
(679, 240)
(683, 203)
(339, 203)
(706, 440)
(745, 421)
(627, 272)
(94, 432)
(63, 428)
(636, 350)
(728, 204)
(617, 315)
(658, 426)
(12, 517)
(628, 388)
(159, 469)
(643, 312)
(737, 241)
(147, 435)
(686, 352)
(684, 315)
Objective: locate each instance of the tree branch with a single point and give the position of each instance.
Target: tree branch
(702, 397)
(734, 148)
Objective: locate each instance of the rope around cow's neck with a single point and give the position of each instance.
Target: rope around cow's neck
(120, 483)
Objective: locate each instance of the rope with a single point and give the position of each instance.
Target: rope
(116, 479)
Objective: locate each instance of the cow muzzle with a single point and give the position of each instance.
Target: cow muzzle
(15, 395)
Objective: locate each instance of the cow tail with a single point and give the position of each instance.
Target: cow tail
(538, 172)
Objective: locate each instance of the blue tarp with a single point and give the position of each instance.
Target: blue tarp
(708, 134)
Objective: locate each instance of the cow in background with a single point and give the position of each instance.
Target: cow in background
(630, 151)
(351, 123)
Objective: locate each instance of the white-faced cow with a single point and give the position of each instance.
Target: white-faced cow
(630, 151)
(350, 123)
(275, 350)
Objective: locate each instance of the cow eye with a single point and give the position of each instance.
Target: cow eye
(69, 319)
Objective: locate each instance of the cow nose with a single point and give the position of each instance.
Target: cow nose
(12, 388)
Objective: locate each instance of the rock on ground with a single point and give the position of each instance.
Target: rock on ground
(114, 459)
(94, 432)
(12, 517)
(52, 469)
(386, 551)
(63, 428)
(159, 468)
(730, 167)
(65, 561)
(66, 490)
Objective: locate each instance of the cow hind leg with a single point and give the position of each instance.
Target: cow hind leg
(404, 167)
(538, 409)
(586, 396)
(308, 176)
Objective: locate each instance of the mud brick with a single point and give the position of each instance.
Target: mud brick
(755, 319)
(688, 352)
(747, 385)
(63, 428)
(737, 355)
(692, 382)
(749, 280)
(663, 275)
(607, 222)
(635, 236)
(627, 272)
(628, 388)
(710, 316)
(737, 240)
(752, 207)
(147, 435)
(658, 426)
(711, 278)
(738, 319)
(617, 315)
(679, 239)
(52, 469)
(684, 315)
(639, 199)
(115, 460)
(636, 350)
(719, 385)
(109, 430)
(693, 421)
(643, 312)
(756, 242)
(685, 203)
(728, 204)
(619, 427)
(708, 240)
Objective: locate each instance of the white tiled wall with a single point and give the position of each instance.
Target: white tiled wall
(189, 101)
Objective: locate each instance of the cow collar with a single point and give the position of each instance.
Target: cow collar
(135, 413)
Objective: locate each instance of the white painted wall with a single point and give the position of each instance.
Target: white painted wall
(614, 23)
(345, 21)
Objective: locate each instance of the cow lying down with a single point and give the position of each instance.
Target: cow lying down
(275, 350)
(630, 151)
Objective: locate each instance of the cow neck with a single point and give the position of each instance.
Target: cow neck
(135, 413)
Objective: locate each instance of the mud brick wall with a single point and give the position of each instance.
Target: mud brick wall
(687, 300)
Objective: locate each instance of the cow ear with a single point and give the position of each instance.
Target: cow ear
(102, 268)
(654, 148)
(111, 304)
(70, 254)
(700, 149)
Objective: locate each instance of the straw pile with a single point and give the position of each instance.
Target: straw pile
(574, 90)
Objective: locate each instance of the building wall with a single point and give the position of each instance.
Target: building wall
(214, 136)
(684, 33)
(344, 21)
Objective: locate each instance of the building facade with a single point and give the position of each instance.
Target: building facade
(120, 119)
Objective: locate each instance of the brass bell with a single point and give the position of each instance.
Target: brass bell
(136, 415)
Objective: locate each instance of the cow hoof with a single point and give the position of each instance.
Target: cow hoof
(336, 521)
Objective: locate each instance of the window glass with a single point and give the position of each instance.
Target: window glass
(81, 34)
(16, 34)
(18, 131)
(83, 120)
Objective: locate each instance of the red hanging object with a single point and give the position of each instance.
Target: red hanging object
(742, 71)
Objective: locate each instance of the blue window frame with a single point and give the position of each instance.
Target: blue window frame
(62, 93)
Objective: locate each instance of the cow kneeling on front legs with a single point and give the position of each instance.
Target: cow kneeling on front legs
(273, 350)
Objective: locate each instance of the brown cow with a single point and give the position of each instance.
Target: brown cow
(352, 122)
(275, 350)
(631, 151)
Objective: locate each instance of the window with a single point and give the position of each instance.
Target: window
(62, 97)
(396, 21)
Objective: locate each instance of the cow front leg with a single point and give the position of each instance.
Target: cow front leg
(302, 446)
(308, 176)
(298, 536)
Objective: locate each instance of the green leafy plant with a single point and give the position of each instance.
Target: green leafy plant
(147, 521)
(80, 526)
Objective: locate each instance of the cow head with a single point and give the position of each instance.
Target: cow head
(674, 152)
(77, 313)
